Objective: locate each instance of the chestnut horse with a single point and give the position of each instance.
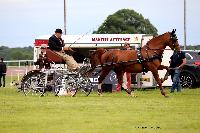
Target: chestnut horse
(147, 58)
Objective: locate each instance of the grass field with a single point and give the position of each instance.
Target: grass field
(113, 113)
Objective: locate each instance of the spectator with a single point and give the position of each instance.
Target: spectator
(3, 70)
(178, 60)
(57, 45)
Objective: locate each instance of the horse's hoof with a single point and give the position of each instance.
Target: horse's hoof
(100, 94)
(163, 93)
(133, 94)
(166, 96)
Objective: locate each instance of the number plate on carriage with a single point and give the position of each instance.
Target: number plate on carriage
(145, 79)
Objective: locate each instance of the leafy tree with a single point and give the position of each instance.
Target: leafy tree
(126, 21)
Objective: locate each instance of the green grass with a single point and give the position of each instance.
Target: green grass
(113, 113)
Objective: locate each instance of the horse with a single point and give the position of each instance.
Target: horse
(144, 59)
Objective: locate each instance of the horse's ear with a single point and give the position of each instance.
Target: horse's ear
(173, 35)
(173, 31)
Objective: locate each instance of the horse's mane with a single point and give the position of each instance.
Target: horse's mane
(102, 49)
(157, 38)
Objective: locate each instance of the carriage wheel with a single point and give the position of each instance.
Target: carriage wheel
(34, 86)
(59, 85)
(68, 83)
(72, 89)
(83, 81)
(86, 86)
(26, 87)
(71, 85)
(32, 82)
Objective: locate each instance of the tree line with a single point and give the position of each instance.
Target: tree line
(18, 53)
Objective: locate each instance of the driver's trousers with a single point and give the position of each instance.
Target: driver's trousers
(71, 63)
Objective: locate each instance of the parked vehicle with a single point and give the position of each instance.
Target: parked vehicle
(190, 75)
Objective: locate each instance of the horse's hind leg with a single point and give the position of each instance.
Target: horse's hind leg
(159, 82)
(119, 79)
(120, 76)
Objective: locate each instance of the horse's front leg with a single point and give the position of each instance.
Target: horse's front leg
(161, 67)
(159, 82)
(103, 75)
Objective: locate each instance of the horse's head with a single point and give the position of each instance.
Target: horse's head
(95, 57)
(173, 40)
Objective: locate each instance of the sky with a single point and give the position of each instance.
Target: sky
(23, 20)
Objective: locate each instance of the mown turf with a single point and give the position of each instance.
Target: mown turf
(113, 113)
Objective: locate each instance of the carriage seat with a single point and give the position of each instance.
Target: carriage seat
(52, 56)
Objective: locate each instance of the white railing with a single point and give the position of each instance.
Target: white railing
(27, 62)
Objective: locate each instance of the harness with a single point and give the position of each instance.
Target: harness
(139, 55)
(156, 55)
(139, 60)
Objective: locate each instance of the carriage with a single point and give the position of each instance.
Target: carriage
(57, 79)
(66, 75)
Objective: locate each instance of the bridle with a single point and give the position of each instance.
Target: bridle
(94, 54)
(158, 52)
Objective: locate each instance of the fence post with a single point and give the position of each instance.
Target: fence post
(19, 64)
(11, 77)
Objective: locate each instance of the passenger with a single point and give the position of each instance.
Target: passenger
(43, 61)
(56, 44)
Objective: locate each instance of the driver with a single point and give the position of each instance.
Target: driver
(56, 44)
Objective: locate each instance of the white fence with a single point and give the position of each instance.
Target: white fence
(17, 69)
(20, 63)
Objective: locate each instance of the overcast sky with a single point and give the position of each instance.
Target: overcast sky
(23, 20)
